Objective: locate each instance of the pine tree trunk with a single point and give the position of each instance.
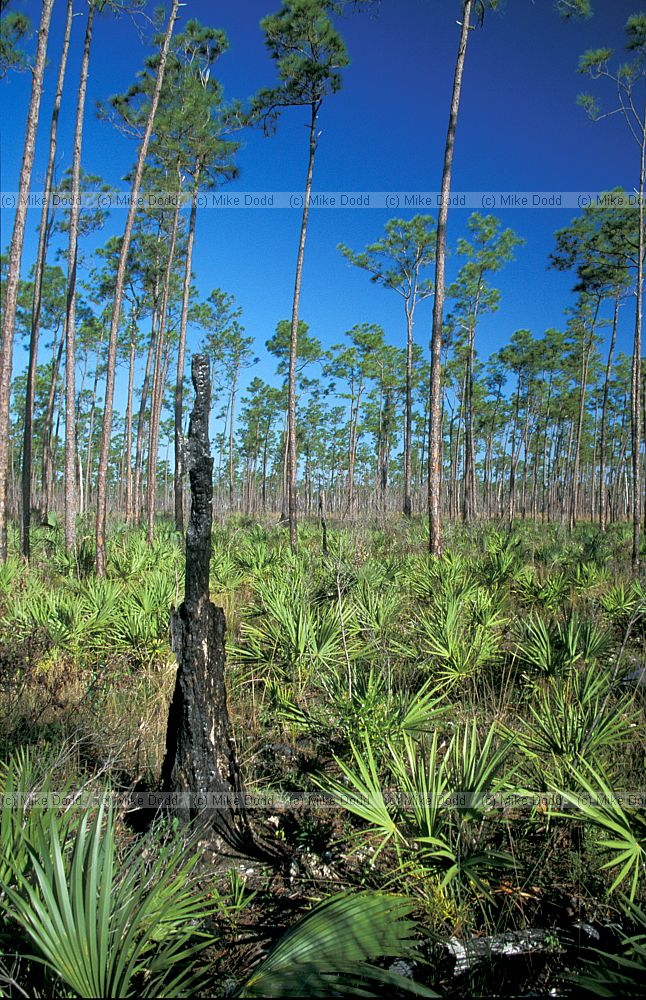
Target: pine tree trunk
(635, 410)
(127, 444)
(408, 413)
(157, 392)
(585, 360)
(136, 497)
(232, 477)
(525, 444)
(106, 435)
(38, 293)
(469, 510)
(435, 415)
(511, 510)
(179, 383)
(71, 499)
(48, 427)
(88, 464)
(15, 258)
(544, 498)
(603, 494)
(293, 346)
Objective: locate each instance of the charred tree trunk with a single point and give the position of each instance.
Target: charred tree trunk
(200, 764)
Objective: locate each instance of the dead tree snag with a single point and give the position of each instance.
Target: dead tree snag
(200, 768)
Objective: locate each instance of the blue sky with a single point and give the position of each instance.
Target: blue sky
(519, 129)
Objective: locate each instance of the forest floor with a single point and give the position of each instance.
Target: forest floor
(464, 733)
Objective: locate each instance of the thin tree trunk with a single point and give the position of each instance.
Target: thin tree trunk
(157, 393)
(293, 346)
(547, 421)
(136, 498)
(38, 294)
(47, 467)
(592, 470)
(408, 413)
(566, 468)
(585, 360)
(106, 435)
(513, 465)
(88, 464)
(15, 258)
(71, 498)
(179, 383)
(525, 443)
(635, 410)
(79, 465)
(232, 478)
(537, 440)
(603, 496)
(127, 448)
(54, 456)
(435, 416)
(264, 470)
(469, 510)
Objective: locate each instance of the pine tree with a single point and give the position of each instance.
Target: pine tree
(398, 261)
(309, 53)
(15, 257)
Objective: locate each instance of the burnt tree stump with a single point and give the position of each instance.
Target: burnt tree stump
(200, 768)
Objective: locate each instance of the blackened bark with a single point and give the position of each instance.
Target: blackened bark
(201, 764)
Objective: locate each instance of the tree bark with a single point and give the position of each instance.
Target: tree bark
(323, 520)
(232, 478)
(71, 499)
(469, 509)
(159, 381)
(408, 412)
(15, 258)
(635, 411)
(139, 448)
(38, 294)
(127, 444)
(88, 463)
(48, 427)
(585, 362)
(514, 461)
(179, 383)
(293, 346)
(106, 434)
(200, 766)
(435, 408)
(603, 494)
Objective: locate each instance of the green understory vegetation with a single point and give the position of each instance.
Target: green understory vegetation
(445, 751)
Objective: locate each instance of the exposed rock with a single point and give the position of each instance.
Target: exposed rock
(508, 944)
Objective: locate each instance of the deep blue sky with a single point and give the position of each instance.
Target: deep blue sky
(519, 129)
